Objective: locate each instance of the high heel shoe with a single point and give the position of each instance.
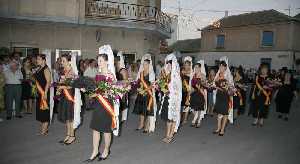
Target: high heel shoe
(104, 158)
(69, 143)
(65, 140)
(216, 132)
(92, 159)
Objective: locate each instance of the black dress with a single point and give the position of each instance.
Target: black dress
(185, 97)
(222, 102)
(65, 107)
(42, 115)
(261, 109)
(165, 109)
(124, 100)
(197, 98)
(142, 101)
(101, 119)
(284, 98)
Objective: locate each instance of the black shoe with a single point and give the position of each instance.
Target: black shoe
(19, 116)
(254, 124)
(279, 116)
(286, 119)
(192, 125)
(91, 160)
(104, 158)
(221, 134)
(8, 118)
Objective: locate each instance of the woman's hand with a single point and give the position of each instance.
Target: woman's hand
(93, 95)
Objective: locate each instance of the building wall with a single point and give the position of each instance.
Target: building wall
(69, 36)
(247, 38)
(296, 36)
(248, 59)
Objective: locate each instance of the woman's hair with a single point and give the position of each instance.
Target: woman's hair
(197, 64)
(67, 56)
(187, 62)
(43, 56)
(223, 63)
(104, 56)
(169, 62)
(147, 60)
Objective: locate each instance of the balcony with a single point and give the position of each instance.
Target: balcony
(133, 15)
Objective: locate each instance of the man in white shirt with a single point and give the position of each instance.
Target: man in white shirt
(13, 89)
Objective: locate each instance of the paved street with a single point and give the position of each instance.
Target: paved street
(275, 143)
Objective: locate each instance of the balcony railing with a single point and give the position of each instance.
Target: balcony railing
(128, 12)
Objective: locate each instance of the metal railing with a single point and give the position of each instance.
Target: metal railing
(101, 9)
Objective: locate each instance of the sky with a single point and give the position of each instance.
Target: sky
(196, 14)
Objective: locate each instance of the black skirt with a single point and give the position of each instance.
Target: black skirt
(42, 115)
(222, 103)
(165, 109)
(184, 98)
(141, 104)
(197, 101)
(65, 108)
(101, 119)
(284, 99)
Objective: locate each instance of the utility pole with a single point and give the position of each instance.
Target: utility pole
(179, 12)
(289, 10)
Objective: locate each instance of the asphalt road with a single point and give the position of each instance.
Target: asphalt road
(275, 143)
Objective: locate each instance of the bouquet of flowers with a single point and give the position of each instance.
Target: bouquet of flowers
(34, 91)
(102, 85)
(161, 85)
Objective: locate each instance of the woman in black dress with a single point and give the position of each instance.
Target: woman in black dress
(42, 79)
(239, 98)
(285, 95)
(27, 86)
(199, 94)
(261, 95)
(186, 77)
(171, 103)
(223, 106)
(145, 103)
(105, 116)
(66, 103)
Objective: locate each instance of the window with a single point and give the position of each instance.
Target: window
(129, 58)
(267, 39)
(220, 41)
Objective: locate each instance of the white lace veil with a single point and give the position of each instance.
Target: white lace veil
(151, 79)
(175, 89)
(122, 63)
(190, 59)
(106, 49)
(77, 95)
(229, 78)
(203, 72)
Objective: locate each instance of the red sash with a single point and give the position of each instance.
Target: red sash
(68, 95)
(149, 91)
(43, 101)
(107, 106)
